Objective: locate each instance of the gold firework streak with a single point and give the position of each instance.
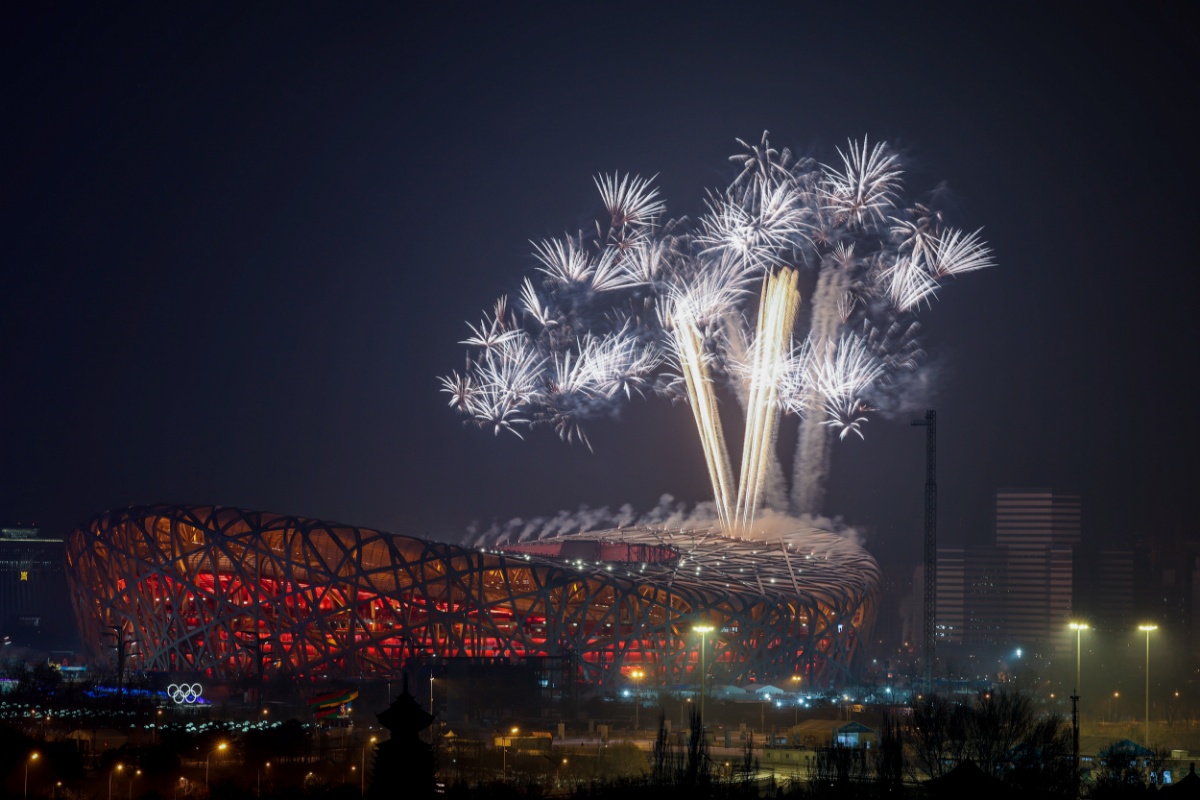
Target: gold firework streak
(776, 316)
(690, 345)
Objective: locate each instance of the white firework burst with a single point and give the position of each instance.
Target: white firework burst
(844, 369)
(908, 284)
(955, 252)
(761, 163)
(758, 234)
(493, 332)
(630, 201)
(866, 187)
(534, 307)
(563, 260)
(845, 416)
(637, 304)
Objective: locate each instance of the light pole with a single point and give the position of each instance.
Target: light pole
(432, 737)
(702, 630)
(1079, 628)
(1147, 629)
(796, 679)
(32, 758)
(115, 769)
(505, 742)
(258, 778)
(132, 776)
(637, 699)
(216, 749)
(363, 774)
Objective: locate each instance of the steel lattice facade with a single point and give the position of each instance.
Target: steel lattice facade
(232, 592)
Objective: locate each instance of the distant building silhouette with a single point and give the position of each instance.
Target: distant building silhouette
(1019, 591)
(1039, 529)
(1113, 587)
(33, 590)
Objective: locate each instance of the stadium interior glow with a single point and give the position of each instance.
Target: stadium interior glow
(229, 592)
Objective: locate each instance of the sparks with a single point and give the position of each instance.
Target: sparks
(640, 305)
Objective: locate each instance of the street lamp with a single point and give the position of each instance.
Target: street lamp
(1147, 629)
(362, 777)
(796, 679)
(1079, 628)
(505, 741)
(216, 749)
(117, 768)
(258, 778)
(432, 736)
(702, 630)
(637, 699)
(132, 776)
(32, 758)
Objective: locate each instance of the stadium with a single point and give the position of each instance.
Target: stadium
(230, 593)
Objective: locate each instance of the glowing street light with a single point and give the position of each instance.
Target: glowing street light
(219, 748)
(796, 679)
(505, 742)
(32, 758)
(258, 778)
(702, 630)
(1147, 629)
(115, 769)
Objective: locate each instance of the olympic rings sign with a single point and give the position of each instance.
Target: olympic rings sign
(184, 692)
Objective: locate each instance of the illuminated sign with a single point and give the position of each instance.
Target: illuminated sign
(183, 693)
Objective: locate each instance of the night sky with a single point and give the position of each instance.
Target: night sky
(240, 245)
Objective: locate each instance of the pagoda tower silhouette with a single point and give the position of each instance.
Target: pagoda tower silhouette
(404, 765)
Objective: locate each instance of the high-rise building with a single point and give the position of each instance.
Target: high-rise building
(951, 595)
(1029, 517)
(985, 581)
(1019, 591)
(34, 610)
(1039, 529)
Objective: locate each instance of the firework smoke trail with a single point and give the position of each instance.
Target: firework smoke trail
(814, 445)
(772, 340)
(650, 308)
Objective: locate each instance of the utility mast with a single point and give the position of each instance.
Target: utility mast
(930, 425)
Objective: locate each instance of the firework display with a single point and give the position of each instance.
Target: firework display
(644, 305)
(237, 593)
